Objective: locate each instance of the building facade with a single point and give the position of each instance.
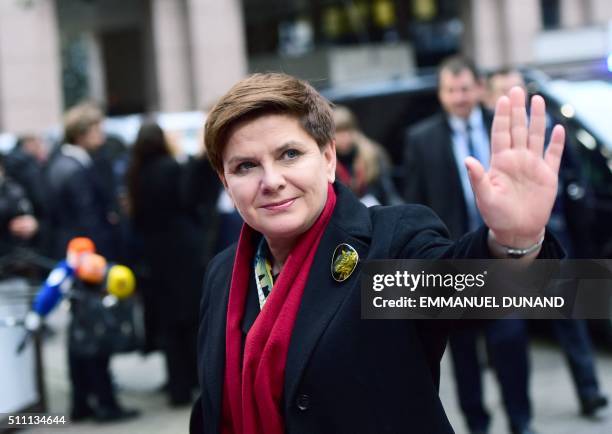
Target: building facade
(129, 55)
(138, 56)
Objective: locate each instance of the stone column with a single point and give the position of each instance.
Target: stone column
(30, 77)
(218, 48)
(522, 22)
(95, 68)
(600, 11)
(483, 39)
(573, 13)
(170, 28)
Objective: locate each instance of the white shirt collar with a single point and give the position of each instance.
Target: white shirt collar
(77, 153)
(458, 124)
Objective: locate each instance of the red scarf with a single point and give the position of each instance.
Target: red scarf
(253, 386)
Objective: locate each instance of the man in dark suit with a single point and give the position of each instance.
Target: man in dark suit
(78, 205)
(77, 188)
(570, 215)
(435, 175)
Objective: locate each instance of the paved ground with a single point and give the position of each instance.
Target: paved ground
(139, 379)
(556, 408)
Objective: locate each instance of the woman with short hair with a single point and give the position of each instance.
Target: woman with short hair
(281, 346)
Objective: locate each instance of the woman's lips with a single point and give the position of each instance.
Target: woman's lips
(279, 206)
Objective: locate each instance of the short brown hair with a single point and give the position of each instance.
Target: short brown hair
(456, 65)
(79, 119)
(261, 94)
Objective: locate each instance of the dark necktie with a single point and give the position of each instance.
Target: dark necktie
(469, 141)
(475, 218)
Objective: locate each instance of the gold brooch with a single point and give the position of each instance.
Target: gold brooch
(344, 262)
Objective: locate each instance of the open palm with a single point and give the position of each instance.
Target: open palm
(515, 197)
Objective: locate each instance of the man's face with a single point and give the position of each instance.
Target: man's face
(36, 148)
(93, 138)
(500, 85)
(458, 93)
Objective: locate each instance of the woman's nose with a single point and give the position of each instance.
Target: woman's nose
(273, 179)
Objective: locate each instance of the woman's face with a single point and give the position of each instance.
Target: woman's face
(277, 175)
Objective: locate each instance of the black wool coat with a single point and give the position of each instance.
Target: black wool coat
(345, 375)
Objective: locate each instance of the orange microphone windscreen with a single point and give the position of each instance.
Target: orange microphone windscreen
(81, 245)
(76, 248)
(92, 268)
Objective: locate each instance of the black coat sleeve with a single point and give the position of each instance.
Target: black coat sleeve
(413, 166)
(419, 233)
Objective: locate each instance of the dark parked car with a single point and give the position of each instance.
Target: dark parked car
(583, 105)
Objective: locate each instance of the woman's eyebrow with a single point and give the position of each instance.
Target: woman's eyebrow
(237, 159)
(288, 145)
(282, 148)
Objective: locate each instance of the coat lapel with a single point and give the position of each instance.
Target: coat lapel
(323, 295)
(214, 347)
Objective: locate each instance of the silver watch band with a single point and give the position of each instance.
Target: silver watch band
(514, 252)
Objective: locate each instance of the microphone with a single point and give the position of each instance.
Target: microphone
(120, 281)
(92, 268)
(76, 248)
(58, 282)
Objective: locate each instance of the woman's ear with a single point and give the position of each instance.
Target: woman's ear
(329, 155)
(224, 182)
(222, 179)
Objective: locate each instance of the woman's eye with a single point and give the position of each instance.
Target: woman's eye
(290, 154)
(244, 167)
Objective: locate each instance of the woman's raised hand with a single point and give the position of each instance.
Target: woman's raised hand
(515, 197)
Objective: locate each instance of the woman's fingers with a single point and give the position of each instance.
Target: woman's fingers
(537, 125)
(500, 131)
(518, 118)
(478, 179)
(555, 148)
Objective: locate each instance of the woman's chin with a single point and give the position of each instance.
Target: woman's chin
(282, 231)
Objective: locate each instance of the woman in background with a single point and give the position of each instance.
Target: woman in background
(362, 164)
(168, 232)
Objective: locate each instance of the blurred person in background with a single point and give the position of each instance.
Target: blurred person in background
(79, 204)
(25, 164)
(110, 166)
(18, 225)
(363, 165)
(201, 189)
(435, 176)
(499, 83)
(568, 221)
(167, 229)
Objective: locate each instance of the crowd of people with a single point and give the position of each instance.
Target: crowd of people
(434, 175)
(166, 220)
(139, 207)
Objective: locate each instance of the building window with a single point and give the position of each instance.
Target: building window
(551, 14)
(292, 28)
